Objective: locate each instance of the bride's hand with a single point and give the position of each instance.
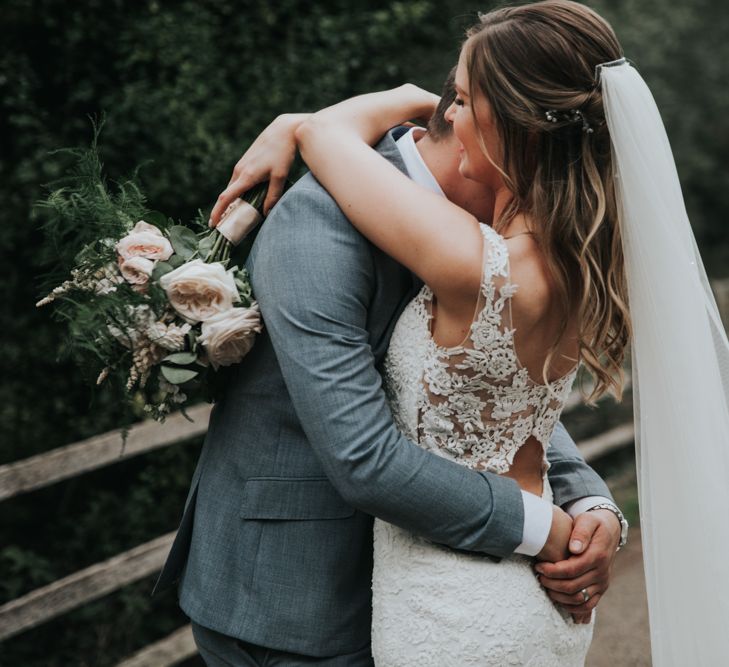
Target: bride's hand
(269, 158)
(556, 548)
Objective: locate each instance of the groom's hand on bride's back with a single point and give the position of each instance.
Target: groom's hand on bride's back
(589, 565)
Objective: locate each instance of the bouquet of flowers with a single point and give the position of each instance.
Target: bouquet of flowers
(154, 306)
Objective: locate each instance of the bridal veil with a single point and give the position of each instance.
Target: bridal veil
(680, 365)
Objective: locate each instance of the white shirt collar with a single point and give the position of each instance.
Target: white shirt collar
(414, 162)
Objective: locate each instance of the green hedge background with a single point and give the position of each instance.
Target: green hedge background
(189, 84)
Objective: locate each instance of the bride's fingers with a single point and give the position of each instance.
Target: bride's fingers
(228, 196)
(275, 190)
(575, 566)
(225, 198)
(578, 598)
(586, 606)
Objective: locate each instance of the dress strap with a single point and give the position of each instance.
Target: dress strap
(495, 256)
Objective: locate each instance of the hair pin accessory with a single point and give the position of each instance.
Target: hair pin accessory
(571, 116)
(576, 116)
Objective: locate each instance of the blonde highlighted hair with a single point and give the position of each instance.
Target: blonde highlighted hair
(525, 61)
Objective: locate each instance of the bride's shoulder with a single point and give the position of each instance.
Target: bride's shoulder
(504, 253)
(529, 271)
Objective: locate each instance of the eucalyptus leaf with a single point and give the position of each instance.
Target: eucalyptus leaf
(206, 245)
(184, 241)
(176, 261)
(181, 358)
(177, 375)
(160, 269)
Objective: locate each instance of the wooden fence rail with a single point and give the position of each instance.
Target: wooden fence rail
(171, 650)
(84, 586)
(91, 583)
(72, 460)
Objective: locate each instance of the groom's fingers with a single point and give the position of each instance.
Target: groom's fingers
(581, 606)
(571, 594)
(583, 529)
(582, 618)
(600, 553)
(570, 568)
(573, 586)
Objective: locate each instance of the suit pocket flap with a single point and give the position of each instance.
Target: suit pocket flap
(292, 499)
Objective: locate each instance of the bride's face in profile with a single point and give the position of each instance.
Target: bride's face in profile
(472, 134)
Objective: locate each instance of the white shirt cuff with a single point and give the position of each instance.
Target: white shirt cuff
(583, 504)
(537, 524)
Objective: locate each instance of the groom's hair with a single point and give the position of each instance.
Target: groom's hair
(438, 127)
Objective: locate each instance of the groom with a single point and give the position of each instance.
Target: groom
(274, 550)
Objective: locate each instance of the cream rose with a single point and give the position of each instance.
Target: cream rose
(229, 336)
(198, 291)
(146, 241)
(137, 270)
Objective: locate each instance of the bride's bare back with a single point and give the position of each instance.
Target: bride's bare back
(534, 320)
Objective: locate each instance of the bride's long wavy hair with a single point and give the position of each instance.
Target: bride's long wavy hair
(534, 61)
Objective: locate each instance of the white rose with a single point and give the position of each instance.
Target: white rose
(229, 336)
(198, 291)
(137, 270)
(145, 240)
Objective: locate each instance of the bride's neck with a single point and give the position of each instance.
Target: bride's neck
(517, 225)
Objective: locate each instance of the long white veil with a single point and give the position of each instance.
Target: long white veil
(680, 361)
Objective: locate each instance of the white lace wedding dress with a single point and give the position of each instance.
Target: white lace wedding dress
(477, 405)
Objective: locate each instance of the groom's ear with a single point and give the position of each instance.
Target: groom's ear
(439, 128)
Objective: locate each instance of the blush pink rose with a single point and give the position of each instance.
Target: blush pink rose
(230, 335)
(199, 291)
(137, 270)
(146, 241)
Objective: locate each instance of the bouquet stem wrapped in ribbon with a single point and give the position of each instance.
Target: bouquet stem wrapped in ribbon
(153, 306)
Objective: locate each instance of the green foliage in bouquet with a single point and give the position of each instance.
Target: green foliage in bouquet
(152, 307)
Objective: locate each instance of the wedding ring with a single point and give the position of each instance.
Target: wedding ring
(585, 595)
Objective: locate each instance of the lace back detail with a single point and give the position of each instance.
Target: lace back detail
(473, 402)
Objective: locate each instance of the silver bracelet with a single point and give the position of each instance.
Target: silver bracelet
(623, 522)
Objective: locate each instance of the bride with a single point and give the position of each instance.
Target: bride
(589, 218)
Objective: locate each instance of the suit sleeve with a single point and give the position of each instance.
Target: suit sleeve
(569, 475)
(314, 282)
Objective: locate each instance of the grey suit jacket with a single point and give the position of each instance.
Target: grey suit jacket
(275, 543)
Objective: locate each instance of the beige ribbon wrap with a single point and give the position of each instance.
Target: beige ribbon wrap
(238, 220)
